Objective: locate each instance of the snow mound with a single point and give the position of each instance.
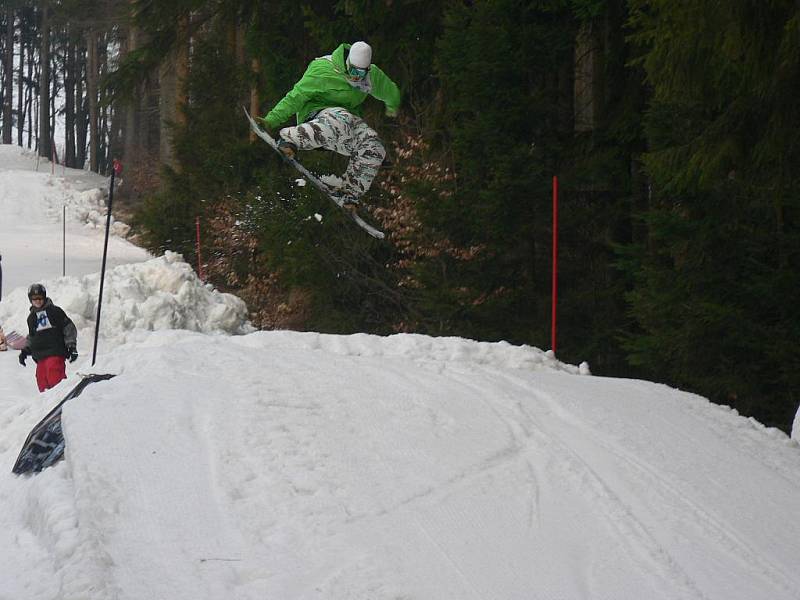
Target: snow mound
(160, 294)
(89, 207)
(796, 426)
(296, 465)
(421, 348)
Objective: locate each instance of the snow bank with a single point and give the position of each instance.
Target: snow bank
(421, 348)
(796, 426)
(86, 206)
(162, 293)
(90, 207)
(296, 465)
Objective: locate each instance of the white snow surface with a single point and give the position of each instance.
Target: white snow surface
(162, 293)
(796, 426)
(223, 463)
(32, 204)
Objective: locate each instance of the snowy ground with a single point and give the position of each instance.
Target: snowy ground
(223, 463)
(31, 221)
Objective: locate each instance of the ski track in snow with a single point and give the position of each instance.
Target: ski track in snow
(672, 492)
(528, 441)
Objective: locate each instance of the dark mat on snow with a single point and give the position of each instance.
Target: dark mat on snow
(45, 443)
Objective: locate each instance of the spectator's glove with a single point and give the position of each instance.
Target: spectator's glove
(391, 113)
(23, 356)
(72, 354)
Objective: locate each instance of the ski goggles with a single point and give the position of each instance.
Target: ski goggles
(357, 73)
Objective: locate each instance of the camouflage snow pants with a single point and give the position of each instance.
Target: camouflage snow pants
(342, 132)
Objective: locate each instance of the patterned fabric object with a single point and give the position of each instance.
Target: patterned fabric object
(16, 341)
(45, 443)
(341, 131)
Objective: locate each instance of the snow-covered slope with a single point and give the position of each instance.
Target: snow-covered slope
(223, 463)
(32, 203)
(796, 426)
(290, 465)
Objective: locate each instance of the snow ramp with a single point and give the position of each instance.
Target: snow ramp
(299, 465)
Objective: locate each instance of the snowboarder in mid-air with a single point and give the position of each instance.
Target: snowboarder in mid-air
(52, 338)
(327, 103)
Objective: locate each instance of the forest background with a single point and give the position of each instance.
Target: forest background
(671, 126)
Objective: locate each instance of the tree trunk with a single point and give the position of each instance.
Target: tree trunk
(69, 101)
(80, 108)
(182, 71)
(241, 38)
(105, 137)
(166, 108)
(171, 78)
(3, 71)
(20, 86)
(255, 101)
(29, 94)
(8, 99)
(585, 76)
(44, 86)
(91, 92)
(53, 95)
(127, 112)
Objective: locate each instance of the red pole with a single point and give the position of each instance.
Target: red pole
(199, 262)
(555, 262)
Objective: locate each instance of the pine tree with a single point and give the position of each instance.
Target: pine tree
(504, 69)
(718, 286)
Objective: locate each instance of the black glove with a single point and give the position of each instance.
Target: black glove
(23, 356)
(72, 354)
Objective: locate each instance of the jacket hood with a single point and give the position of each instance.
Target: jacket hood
(338, 56)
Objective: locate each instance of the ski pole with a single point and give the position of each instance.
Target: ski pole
(117, 169)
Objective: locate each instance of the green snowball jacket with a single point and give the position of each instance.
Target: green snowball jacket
(325, 85)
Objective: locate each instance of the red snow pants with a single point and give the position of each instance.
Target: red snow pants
(50, 371)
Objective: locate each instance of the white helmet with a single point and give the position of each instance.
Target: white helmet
(360, 55)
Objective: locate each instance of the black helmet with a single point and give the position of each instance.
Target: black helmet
(37, 289)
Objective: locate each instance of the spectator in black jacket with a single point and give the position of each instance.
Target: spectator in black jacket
(52, 338)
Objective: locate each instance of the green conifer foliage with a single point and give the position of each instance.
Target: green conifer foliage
(718, 293)
(211, 147)
(506, 119)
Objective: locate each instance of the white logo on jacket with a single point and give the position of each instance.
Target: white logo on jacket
(42, 321)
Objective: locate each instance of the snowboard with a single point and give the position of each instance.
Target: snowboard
(15, 341)
(45, 443)
(315, 181)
